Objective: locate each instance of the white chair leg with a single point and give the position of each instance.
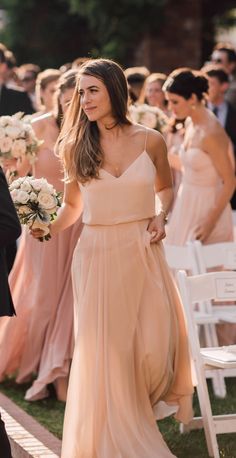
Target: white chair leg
(206, 412)
(218, 381)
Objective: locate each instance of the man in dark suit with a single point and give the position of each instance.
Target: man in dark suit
(11, 101)
(10, 230)
(225, 55)
(218, 85)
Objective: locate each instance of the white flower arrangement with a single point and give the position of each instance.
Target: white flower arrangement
(17, 138)
(36, 203)
(149, 116)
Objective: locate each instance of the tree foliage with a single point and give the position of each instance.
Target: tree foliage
(46, 32)
(119, 26)
(50, 32)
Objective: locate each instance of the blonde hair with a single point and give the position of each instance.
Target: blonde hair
(152, 78)
(78, 144)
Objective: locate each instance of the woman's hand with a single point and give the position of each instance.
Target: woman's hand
(156, 227)
(37, 233)
(40, 234)
(204, 229)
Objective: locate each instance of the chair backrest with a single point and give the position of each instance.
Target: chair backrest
(220, 286)
(215, 255)
(181, 257)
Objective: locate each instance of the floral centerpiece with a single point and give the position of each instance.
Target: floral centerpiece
(36, 203)
(149, 116)
(17, 138)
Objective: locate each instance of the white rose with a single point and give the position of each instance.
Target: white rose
(46, 187)
(14, 193)
(18, 116)
(14, 185)
(2, 132)
(33, 197)
(4, 120)
(47, 201)
(148, 119)
(25, 186)
(13, 131)
(5, 144)
(22, 197)
(37, 183)
(18, 148)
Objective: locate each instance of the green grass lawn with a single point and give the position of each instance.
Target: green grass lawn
(49, 412)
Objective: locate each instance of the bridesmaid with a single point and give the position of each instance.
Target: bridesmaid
(40, 339)
(131, 363)
(152, 92)
(202, 208)
(45, 89)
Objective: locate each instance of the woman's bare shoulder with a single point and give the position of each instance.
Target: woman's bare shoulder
(41, 122)
(153, 136)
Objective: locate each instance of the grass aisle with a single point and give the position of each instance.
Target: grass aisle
(49, 413)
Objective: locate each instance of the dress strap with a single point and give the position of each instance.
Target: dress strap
(145, 144)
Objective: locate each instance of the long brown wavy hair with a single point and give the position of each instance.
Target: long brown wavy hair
(78, 144)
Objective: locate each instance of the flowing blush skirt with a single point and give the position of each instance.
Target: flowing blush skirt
(193, 204)
(40, 338)
(131, 361)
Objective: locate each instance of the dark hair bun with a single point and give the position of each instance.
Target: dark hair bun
(186, 82)
(201, 83)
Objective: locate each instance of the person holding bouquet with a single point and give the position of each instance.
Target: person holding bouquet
(131, 363)
(40, 340)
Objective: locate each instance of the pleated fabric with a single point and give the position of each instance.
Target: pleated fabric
(197, 196)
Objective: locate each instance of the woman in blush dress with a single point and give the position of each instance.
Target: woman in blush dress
(40, 339)
(45, 89)
(202, 208)
(131, 361)
(152, 92)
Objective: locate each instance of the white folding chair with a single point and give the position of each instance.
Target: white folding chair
(184, 258)
(193, 289)
(181, 257)
(217, 256)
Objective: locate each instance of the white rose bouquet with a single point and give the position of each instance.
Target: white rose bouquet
(149, 116)
(17, 138)
(36, 203)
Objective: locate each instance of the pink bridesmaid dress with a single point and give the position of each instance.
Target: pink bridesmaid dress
(196, 197)
(131, 363)
(40, 338)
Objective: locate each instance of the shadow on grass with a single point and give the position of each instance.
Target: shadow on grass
(49, 412)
